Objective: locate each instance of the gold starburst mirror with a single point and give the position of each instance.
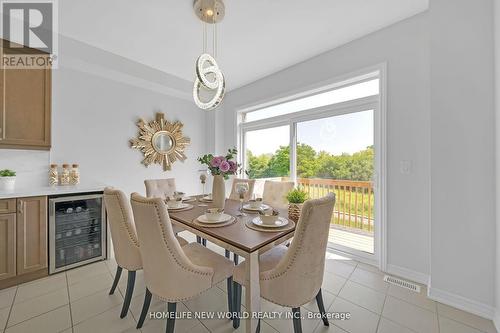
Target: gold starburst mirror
(160, 141)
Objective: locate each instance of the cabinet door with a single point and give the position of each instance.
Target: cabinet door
(31, 234)
(7, 246)
(26, 108)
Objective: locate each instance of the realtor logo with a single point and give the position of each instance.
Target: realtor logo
(29, 33)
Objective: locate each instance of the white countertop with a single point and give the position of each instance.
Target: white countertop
(47, 190)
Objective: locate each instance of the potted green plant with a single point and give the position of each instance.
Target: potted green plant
(296, 199)
(7, 180)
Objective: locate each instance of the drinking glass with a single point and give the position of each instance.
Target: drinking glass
(241, 189)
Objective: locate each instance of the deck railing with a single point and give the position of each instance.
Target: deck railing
(354, 200)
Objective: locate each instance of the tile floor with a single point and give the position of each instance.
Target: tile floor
(78, 301)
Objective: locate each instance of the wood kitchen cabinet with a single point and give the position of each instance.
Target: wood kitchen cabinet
(31, 234)
(25, 102)
(7, 245)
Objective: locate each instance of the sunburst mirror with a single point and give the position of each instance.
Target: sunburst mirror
(160, 141)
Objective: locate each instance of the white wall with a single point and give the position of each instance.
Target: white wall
(497, 107)
(404, 46)
(462, 154)
(97, 98)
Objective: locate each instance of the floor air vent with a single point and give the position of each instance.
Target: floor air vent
(402, 283)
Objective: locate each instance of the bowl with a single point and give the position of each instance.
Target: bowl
(269, 217)
(213, 214)
(174, 203)
(255, 204)
(179, 195)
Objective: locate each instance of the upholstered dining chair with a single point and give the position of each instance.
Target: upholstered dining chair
(161, 188)
(235, 196)
(125, 242)
(292, 276)
(275, 193)
(172, 273)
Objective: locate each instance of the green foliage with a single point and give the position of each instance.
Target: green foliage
(296, 196)
(310, 164)
(7, 173)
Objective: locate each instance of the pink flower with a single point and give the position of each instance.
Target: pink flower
(216, 161)
(224, 166)
(233, 166)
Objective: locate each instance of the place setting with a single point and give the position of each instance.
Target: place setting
(178, 202)
(269, 220)
(214, 218)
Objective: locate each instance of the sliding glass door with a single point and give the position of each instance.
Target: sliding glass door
(335, 154)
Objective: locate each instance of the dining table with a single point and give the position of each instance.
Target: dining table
(239, 239)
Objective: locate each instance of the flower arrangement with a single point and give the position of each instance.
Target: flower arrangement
(7, 180)
(221, 165)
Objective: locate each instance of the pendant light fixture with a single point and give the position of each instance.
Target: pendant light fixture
(209, 79)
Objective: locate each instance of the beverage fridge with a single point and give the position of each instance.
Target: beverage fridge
(77, 231)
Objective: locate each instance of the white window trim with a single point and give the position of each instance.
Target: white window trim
(377, 103)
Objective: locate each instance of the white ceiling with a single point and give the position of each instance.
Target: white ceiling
(256, 38)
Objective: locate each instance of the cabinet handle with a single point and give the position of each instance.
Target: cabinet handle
(20, 206)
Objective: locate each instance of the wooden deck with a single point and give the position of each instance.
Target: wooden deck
(361, 241)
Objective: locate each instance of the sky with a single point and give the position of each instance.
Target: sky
(347, 133)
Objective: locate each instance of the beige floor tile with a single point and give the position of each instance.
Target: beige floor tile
(329, 329)
(466, 318)
(211, 300)
(409, 315)
(54, 321)
(361, 320)
(90, 286)
(4, 315)
(7, 297)
(285, 324)
(387, 326)
(85, 272)
(339, 267)
(40, 287)
(369, 279)
(107, 322)
(199, 329)
(363, 296)
(333, 283)
(158, 325)
(90, 306)
(37, 306)
(450, 326)
(328, 299)
(419, 299)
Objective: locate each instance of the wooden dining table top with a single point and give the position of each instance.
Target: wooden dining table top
(236, 234)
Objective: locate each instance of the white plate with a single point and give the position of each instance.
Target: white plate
(222, 219)
(207, 199)
(280, 222)
(188, 199)
(262, 207)
(181, 206)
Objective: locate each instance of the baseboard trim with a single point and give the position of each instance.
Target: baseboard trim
(462, 303)
(496, 321)
(408, 274)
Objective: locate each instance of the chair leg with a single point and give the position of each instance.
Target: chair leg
(257, 330)
(145, 308)
(236, 259)
(128, 293)
(297, 324)
(321, 306)
(198, 239)
(204, 242)
(230, 295)
(236, 304)
(118, 274)
(227, 253)
(171, 308)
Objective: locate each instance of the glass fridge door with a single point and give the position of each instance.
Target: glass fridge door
(78, 231)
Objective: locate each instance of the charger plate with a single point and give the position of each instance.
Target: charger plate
(214, 225)
(252, 226)
(182, 208)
